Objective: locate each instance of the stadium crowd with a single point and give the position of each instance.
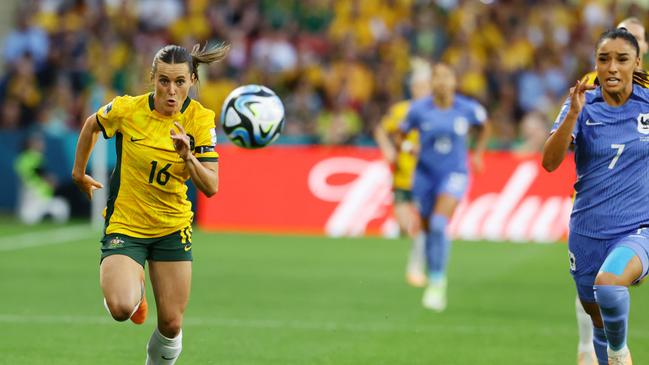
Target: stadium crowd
(337, 64)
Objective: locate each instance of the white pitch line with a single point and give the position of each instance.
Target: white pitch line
(45, 238)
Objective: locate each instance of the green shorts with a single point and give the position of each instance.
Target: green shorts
(402, 196)
(174, 247)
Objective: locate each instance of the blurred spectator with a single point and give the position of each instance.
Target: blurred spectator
(25, 40)
(215, 87)
(21, 85)
(302, 106)
(533, 133)
(10, 116)
(272, 52)
(338, 125)
(513, 56)
(192, 26)
(36, 199)
(227, 15)
(348, 79)
(158, 14)
(313, 16)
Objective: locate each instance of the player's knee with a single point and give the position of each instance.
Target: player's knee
(120, 311)
(170, 327)
(607, 278)
(438, 223)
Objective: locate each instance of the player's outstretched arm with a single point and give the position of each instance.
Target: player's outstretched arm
(556, 147)
(85, 144)
(386, 145)
(205, 175)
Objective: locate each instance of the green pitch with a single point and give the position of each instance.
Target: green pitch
(299, 300)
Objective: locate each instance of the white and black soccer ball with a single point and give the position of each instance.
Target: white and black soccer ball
(252, 116)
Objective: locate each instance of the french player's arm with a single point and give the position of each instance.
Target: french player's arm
(556, 146)
(87, 139)
(204, 174)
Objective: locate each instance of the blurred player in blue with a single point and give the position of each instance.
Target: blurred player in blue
(441, 176)
(608, 126)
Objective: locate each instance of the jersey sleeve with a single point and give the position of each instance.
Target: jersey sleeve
(478, 115)
(411, 121)
(388, 122)
(392, 119)
(205, 138)
(109, 116)
(590, 78)
(562, 115)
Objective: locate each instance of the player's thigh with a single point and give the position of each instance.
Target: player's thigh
(402, 215)
(445, 205)
(120, 278)
(627, 261)
(171, 283)
(403, 209)
(451, 190)
(424, 201)
(170, 270)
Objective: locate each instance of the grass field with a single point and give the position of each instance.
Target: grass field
(299, 300)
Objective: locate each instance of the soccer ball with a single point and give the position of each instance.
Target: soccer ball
(252, 116)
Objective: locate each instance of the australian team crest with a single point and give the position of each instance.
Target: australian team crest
(643, 123)
(108, 108)
(116, 242)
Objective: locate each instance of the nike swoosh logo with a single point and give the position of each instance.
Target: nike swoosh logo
(187, 248)
(167, 358)
(136, 139)
(588, 122)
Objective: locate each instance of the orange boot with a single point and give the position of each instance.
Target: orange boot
(139, 316)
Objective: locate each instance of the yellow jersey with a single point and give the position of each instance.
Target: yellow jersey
(148, 195)
(591, 79)
(404, 168)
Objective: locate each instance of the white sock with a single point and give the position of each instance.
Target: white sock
(623, 351)
(585, 326)
(162, 350)
(417, 259)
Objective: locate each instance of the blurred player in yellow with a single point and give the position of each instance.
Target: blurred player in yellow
(585, 349)
(403, 162)
(163, 138)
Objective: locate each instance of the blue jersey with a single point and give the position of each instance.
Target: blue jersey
(442, 133)
(612, 160)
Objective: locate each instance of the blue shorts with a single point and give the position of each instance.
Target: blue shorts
(427, 188)
(588, 254)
